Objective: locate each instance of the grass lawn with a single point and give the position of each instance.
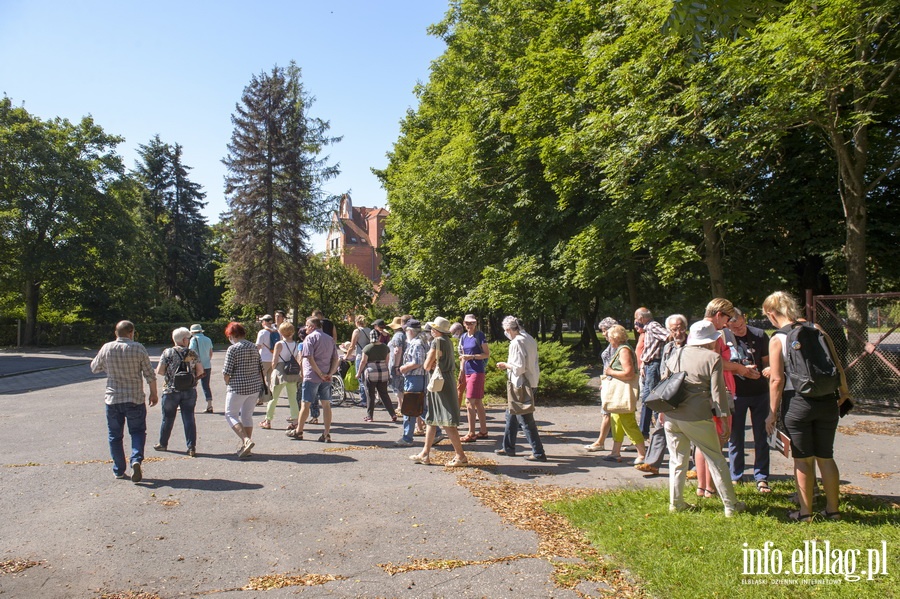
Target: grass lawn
(700, 554)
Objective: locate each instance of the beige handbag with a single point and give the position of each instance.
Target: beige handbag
(617, 396)
(436, 382)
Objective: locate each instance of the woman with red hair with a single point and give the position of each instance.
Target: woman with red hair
(243, 380)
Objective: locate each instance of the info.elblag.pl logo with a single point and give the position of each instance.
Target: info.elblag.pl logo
(829, 564)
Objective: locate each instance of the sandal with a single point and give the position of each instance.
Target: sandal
(594, 447)
(367, 419)
(420, 459)
(209, 410)
(701, 492)
(708, 493)
(798, 517)
(325, 438)
(293, 434)
(312, 421)
(763, 487)
(457, 463)
(612, 458)
(830, 515)
(481, 435)
(469, 438)
(265, 424)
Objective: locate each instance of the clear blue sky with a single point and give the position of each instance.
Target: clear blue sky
(178, 68)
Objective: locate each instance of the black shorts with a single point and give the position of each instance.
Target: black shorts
(811, 424)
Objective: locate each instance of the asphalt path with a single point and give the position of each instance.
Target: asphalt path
(207, 525)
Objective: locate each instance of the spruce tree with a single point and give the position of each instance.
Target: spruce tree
(177, 230)
(274, 188)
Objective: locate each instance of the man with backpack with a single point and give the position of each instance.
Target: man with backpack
(182, 369)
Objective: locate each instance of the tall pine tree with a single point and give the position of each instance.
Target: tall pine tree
(274, 188)
(177, 230)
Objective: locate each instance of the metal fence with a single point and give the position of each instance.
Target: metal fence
(871, 355)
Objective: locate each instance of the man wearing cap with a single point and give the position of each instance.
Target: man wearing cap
(397, 345)
(203, 347)
(125, 363)
(266, 339)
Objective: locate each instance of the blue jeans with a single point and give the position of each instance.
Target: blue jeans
(651, 379)
(758, 406)
(313, 392)
(528, 426)
(314, 407)
(204, 382)
(171, 402)
(412, 383)
(136, 415)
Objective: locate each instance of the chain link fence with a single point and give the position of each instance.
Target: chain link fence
(870, 353)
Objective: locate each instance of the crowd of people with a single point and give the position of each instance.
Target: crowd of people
(728, 369)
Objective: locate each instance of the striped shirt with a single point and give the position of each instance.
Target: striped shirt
(124, 361)
(243, 365)
(655, 336)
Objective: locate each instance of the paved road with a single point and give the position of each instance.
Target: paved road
(209, 524)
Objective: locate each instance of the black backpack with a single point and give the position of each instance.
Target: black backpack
(291, 366)
(184, 378)
(809, 362)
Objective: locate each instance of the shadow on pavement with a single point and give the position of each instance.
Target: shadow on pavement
(212, 484)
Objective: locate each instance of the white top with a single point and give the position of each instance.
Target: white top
(262, 338)
(523, 361)
(788, 385)
(284, 355)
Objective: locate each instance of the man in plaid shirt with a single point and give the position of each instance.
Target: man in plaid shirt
(650, 360)
(125, 362)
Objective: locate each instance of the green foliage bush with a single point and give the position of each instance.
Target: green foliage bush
(559, 378)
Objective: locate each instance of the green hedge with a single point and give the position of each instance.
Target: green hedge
(559, 378)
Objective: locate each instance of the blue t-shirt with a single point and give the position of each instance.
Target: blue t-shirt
(471, 344)
(201, 344)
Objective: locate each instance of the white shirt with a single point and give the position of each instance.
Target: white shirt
(522, 364)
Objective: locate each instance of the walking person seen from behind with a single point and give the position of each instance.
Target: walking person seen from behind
(182, 369)
(243, 379)
(203, 347)
(125, 363)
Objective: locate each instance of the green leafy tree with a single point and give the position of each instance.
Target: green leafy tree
(336, 289)
(61, 220)
(274, 189)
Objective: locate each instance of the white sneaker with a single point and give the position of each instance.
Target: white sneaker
(246, 447)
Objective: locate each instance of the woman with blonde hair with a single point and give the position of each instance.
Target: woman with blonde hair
(811, 422)
(285, 374)
(358, 341)
(623, 367)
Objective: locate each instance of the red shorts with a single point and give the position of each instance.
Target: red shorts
(475, 385)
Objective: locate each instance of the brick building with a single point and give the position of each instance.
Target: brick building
(356, 235)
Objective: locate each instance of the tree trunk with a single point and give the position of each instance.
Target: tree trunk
(631, 284)
(32, 300)
(589, 339)
(712, 242)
